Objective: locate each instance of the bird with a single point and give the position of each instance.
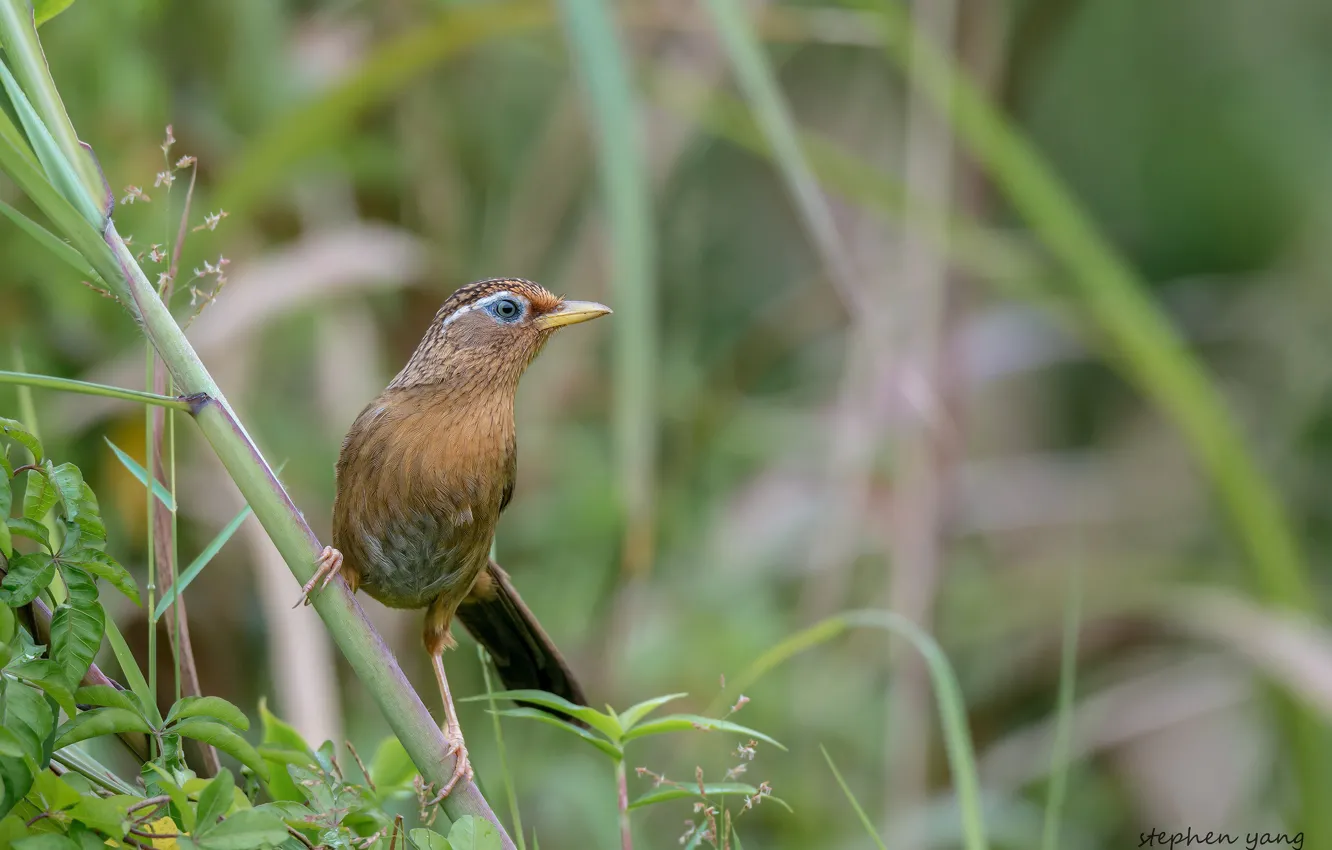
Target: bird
(424, 474)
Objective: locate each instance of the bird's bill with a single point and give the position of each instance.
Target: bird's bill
(571, 313)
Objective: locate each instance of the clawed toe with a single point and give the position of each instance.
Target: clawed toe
(462, 768)
(328, 566)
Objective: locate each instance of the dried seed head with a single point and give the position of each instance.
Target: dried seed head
(164, 178)
(156, 253)
(739, 704)
(185, 162)
(134, 193)
(168, 142)
(211, 220)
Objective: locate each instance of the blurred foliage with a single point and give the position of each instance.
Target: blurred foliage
(1193, 136)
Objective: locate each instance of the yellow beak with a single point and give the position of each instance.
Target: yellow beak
(571, 313)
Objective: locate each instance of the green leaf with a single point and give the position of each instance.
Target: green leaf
(45, 10)
(426, 839)
(290, 811)
(630, 716)
(208, 707)
(279, 735)
(59, 170)
(247, 829)
(109, 696)
(106, 568)
(46, 841)
(196, 566)
(163, 494)
(214, 802)
(29, 717)
(76, 635)
(687, 722)
(28, 576)
(68, 483)
(15, 780)
(391, 767)
(606, 724)
(49, 677)
(55, 794)
(472, 833)
(98, 722)
(24, 527)
(225, 740)
(715, 789)
(48, 240)
(40, 496)
(82, 588)
(102, 815)
(6, 538)
(10, 744)
(536, 714)
(163, 781)
(17, 431)
(90, 519)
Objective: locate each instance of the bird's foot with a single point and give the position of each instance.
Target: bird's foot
(329, 564)
(462, 766)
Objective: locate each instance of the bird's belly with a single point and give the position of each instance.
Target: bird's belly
(413, 559)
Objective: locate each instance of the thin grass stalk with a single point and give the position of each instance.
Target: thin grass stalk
(622, 801)
(1063, 731)
(150, 515)
(509, 792)
(1150, 349)
(46, 382)
(605, 72)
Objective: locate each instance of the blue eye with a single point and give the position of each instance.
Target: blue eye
(506, 310)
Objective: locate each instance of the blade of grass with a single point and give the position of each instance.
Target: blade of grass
(1068, 670)
(130, 668)
(162, 493)
(48, 240)
(947, 695)
(851, 798)
(509, 791)
(190, 573)
(1151, 352)
(47, 382)
(627, 207)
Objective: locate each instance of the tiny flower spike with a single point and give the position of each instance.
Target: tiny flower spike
(164, 178)
(134, 193)
(739, 704)
(168, 142)
(211, 220)
(156, 254)
(185, 162)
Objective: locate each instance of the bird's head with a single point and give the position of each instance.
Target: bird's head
(488, 332)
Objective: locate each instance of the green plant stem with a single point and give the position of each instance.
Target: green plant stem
(370, 658)
(509, 791)
(622, 797)
(47, 382)
(1068, 670)
(149, 466)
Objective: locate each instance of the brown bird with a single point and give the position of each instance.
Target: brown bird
(424, 473)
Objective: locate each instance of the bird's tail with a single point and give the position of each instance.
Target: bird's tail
(524, 654)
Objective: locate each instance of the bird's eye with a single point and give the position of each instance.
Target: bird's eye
(506, 309)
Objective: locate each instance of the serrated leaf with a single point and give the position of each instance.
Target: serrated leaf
(472, 833)
(28, 576)
(82, 588)
(687, 722)
(24, 527)
(606, 724)
(630, 716)
(109, 696)
(15, 430)
(163, 494)
(99, 722)
(225, 740)
(40, 495)
(248, 829)
(29, 717)
(49, 677)
(391, 767)
(536, 714)
(197, 565)
(68, 483)
(76, 635)
(214, 802)
(426, 839)
(106, 568)
(209, 707)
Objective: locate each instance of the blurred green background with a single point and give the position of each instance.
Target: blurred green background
(934, 385)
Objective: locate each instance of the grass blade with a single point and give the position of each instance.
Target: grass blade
(1068, 669)
(196, 566)
(627, 207)
(130, 668)
(24, 379)
(509, 791)
(48, 240)
(851, 798)
(163, 495)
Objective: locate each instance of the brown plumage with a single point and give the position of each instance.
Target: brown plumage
(424, 473)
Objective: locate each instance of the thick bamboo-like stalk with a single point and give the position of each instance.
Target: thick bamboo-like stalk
(366, 651)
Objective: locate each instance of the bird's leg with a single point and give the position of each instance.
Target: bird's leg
(329, 563)
(437, 639)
